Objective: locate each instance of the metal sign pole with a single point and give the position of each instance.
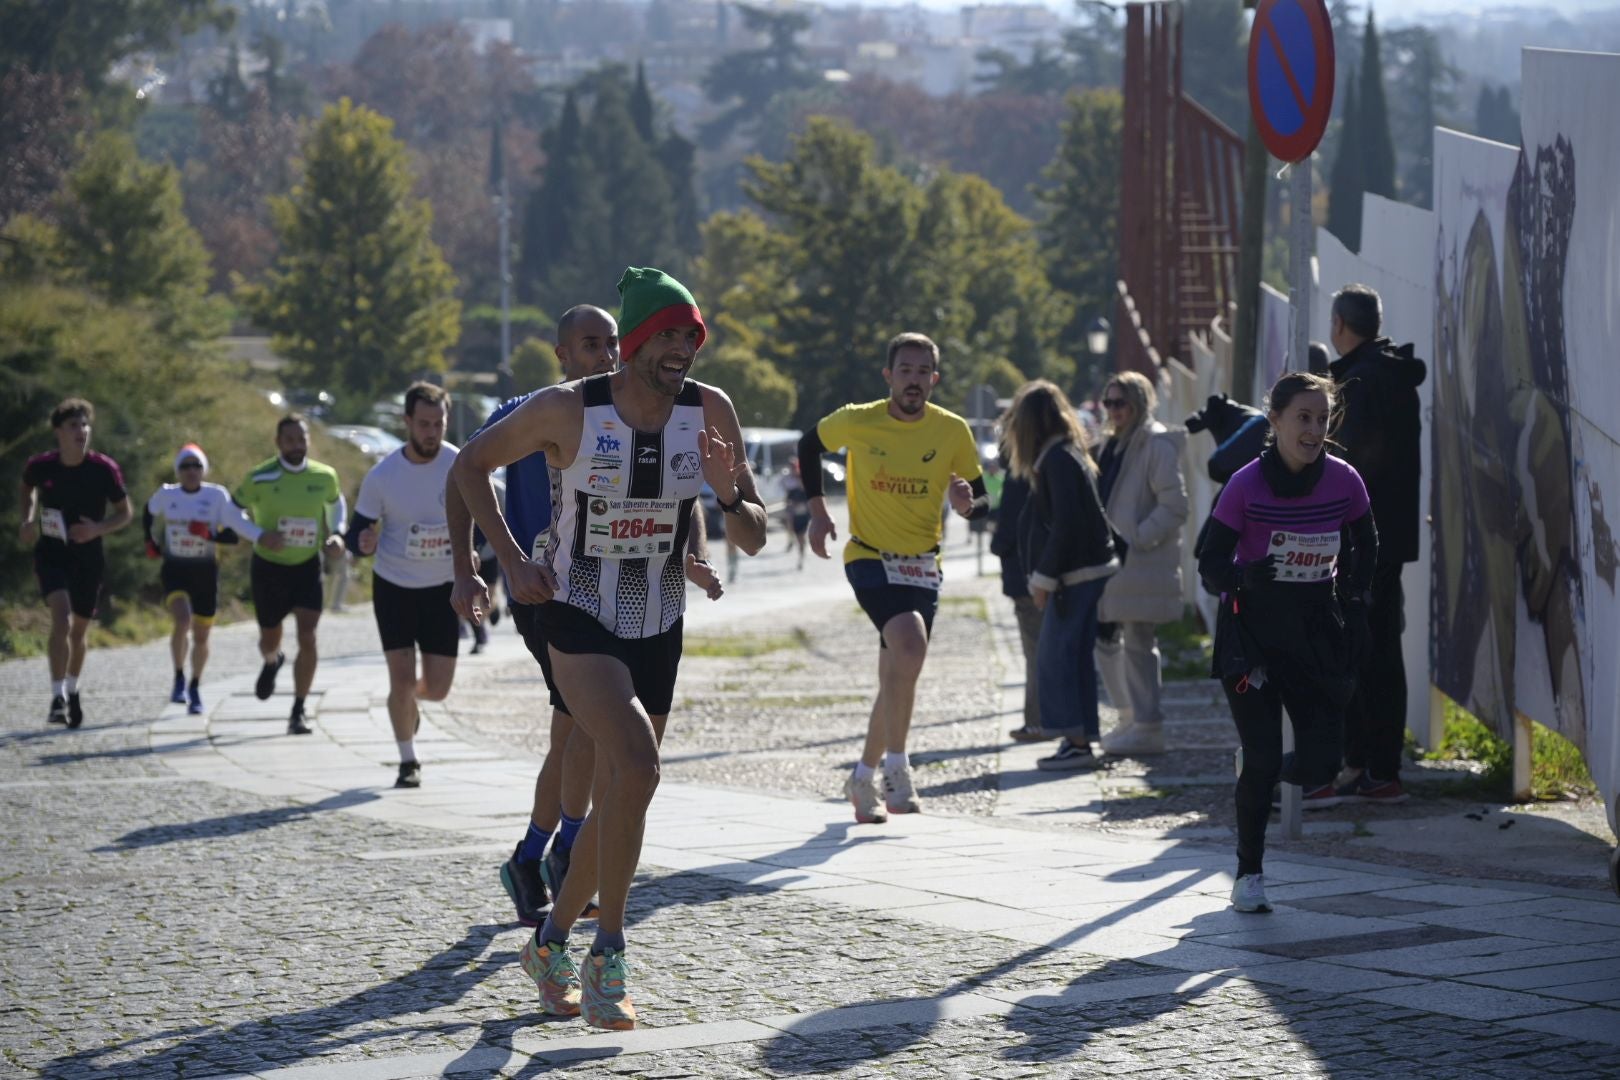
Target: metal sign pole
(1299, 298)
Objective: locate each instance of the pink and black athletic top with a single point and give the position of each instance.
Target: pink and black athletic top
(69, 494)
(1303, 532)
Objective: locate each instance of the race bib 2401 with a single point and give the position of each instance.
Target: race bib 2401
(1305, 557)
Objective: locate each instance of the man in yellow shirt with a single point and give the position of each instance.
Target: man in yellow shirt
(906, 458)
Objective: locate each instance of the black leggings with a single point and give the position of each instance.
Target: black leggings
(1315, 761)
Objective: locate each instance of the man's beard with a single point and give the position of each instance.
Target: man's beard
(424, 453)
(295, 458)
(908, 408)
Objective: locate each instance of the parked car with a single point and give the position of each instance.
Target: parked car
(371, 440)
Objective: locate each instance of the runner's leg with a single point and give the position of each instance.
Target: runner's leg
(78, 627)
(899, 666)
(402, 714)
(180, 611)
(200, 630)
(438, 672)
(304, 667)
(581, 882)
(57, 647)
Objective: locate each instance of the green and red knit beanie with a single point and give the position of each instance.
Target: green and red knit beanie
(649, 301)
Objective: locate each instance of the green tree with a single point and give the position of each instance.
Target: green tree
(360, 299)
(1215, 45)
(1345, 185)
(86, 37)
(1424, 87)
(764, 397)
(744, 82)
(535, 365)
(1080, 225)
(1495, 117)
(1373, 140)
(847, 252)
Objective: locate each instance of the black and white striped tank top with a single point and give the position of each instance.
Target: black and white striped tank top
(622, 511)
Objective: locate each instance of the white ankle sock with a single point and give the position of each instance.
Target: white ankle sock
(407, 750)
(863, 771)
(70, 685)
(56, 688)
(894, 759)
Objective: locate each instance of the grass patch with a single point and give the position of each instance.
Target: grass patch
(743, 645)
(973, 606)
(1185, 648)
(1557, 769)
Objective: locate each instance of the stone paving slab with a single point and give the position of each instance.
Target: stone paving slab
(281, 912)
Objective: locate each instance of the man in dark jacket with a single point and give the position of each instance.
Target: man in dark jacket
(1381, 434)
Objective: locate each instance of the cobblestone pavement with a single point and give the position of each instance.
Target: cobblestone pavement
(203, 896)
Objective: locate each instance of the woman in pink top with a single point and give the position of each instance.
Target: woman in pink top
(1291, 548)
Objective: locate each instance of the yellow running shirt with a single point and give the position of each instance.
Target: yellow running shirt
(899, 474)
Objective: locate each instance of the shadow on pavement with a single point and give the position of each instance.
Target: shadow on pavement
(234, 824)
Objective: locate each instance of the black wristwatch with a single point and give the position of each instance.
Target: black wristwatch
(730, 508)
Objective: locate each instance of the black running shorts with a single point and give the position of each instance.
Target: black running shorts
(653, 661)
(75, 568)
(278, 589)
(883, 600)
(415, 618)
(195, 579)
(527, 618)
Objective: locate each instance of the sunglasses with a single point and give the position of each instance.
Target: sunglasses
(1114, 403)
(191, 464)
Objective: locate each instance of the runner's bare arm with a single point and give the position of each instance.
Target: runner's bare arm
(726, 469)
(83, 531)
(468, 595)
(26, 532)
(541, 424)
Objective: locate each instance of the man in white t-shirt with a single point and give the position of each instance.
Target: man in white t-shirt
(399, 517)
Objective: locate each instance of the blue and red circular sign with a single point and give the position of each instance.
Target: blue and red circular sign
(1291, 75)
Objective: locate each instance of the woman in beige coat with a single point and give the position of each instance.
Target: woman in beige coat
(1145, 496)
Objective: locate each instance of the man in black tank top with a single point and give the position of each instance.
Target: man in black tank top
(633, 448)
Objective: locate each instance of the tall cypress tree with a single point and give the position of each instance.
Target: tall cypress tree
(641, 104)
(1345, 185)
(1376, 144)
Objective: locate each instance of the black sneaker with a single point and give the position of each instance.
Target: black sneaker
(1070, 757)
(297, 725)
(267, 678)
(523, 884)
(58, 713)
(410, 774)
(553, 868)
(177, 696)
(75, 710)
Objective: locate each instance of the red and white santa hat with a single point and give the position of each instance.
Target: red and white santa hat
(191, 452)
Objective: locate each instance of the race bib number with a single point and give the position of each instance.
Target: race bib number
(299, 532)
(631, 528)
(182, 544)
(52, 524)
(919, 571)
(1305, 557)
(428, 542)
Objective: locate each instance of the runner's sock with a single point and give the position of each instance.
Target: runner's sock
(192, 685)
(298, 705)
(407, 750)
(56, 688)
(567, 830)
(863, 771)
(534, 844)
(548, 934)
(179, 673)
(70, 685)
(605, 941)
(894, 759)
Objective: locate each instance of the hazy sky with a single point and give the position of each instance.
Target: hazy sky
(1396, 10)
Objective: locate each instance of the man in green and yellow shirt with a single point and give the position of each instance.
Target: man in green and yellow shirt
(301, 500)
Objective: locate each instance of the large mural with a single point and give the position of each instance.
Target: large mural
(1526, 313)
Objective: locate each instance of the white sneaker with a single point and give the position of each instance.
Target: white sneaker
(863, 795)
(1249, 893)
(1134, 740)
(898, 793)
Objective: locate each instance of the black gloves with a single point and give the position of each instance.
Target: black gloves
(1358, 633)
(1259, 572)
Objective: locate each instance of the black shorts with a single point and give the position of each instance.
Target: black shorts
(882, 600)
(76, 568)
(415, 618)
(527, 618)
(278, 589)
(653, 661)
(195, 579)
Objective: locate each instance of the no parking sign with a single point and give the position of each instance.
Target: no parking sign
(1291, 75)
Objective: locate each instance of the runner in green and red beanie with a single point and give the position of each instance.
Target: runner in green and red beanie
(654, 307)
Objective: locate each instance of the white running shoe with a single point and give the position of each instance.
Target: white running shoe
(1249, 893)
(1134, 740)
(863, 795)
(898, 793)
